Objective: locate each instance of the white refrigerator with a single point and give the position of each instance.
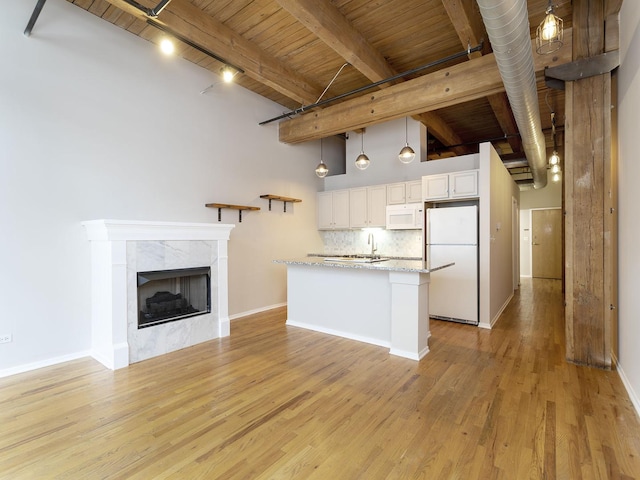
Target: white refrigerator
(451, 235)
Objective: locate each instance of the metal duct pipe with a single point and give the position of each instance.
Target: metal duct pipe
(507, 24)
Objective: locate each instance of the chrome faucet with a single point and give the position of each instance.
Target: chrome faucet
(371, 240)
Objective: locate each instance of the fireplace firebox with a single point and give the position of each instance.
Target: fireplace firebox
(170, 295)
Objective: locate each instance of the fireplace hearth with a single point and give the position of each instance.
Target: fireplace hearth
(170, 295)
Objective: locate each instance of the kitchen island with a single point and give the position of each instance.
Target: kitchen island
(382, 302)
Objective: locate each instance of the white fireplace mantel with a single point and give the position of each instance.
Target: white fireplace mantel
(121, 248)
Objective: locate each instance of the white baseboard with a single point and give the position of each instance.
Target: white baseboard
(502, 308)
(44, 363)
(337, 333)
(627, 385)
(410, 355)
(236, 316)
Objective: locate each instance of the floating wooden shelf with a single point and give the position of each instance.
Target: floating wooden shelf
(281, 199)
(240, 208)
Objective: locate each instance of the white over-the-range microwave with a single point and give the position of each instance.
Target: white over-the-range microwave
(406, 216)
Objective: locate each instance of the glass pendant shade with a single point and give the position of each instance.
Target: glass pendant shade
(321, 170)
(362, 162)
(550, 33)
(407, 154)
(556, 177)
(555, 168)
(554, 159)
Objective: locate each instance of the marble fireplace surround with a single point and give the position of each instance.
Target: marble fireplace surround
(122, 248)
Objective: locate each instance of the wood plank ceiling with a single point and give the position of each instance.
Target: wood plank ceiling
(290, 50)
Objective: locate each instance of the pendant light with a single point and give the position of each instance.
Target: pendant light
(550, 33)
(407, 153)
(362, 162)
(554, 159)
(321, 169)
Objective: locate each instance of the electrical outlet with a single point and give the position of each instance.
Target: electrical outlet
(6, 338)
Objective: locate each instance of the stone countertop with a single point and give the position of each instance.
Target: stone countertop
(392, 264)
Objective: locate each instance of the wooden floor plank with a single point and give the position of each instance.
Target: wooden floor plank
(272, 401)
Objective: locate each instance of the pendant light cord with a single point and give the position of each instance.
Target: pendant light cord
(331, 83)
(406, 130)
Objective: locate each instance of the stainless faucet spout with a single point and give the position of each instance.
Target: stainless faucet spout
(371, 240)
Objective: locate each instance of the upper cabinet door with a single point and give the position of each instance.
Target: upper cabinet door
(377, 206)
(463, 184)
(341, 209)
(396, 194)
(358, 207)
(414, 191)
(325, 210)
(435, 187)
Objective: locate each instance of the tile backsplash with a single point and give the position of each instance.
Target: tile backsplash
(392, 243)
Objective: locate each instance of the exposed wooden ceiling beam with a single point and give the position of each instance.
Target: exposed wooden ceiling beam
(468, 25)
(502, 110)
(192, 23)
(323, 19)
(479, 77)
(438, 128)
(470, 30)
(327, 22)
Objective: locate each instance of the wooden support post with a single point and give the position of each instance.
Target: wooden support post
(589, 190)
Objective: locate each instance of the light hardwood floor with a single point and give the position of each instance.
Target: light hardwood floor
(281, 402)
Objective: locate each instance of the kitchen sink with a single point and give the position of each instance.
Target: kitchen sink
(355, 259)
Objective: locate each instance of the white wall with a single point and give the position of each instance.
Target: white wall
(628, 176)
(382, 143)
(497, 190)
(95, 123)
(547, 197)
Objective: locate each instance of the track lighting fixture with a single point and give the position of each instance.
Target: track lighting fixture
(228, 74)
(407, 154)
(167, 46)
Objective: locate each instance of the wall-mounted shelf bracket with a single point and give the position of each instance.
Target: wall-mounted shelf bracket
(240, 208)
(281, 199)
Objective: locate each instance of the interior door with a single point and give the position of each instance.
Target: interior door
(546, 245)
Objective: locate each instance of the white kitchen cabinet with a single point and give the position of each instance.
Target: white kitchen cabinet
(404, 192)
(396, 193)
(463, 184)
(333, 210)
(367, 206)
(377, 203)
(435, 187)
(414, 191)
(449, 186)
